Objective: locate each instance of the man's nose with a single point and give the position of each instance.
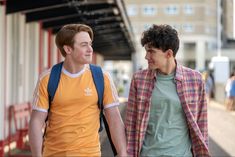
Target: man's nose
(90, 48)
(146, 56)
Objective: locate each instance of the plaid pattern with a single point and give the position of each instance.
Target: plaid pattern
(191, 91)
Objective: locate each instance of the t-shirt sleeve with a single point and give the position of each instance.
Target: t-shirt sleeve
(110, 92)
(40, 97)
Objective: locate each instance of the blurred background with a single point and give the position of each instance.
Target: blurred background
(27, 32)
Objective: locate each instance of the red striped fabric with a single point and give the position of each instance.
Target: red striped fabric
(191, 91)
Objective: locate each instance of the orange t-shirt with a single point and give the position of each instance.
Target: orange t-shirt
(74, 113)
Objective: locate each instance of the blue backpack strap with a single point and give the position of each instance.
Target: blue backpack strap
(54, 81)
(98, 79)
(52, 85)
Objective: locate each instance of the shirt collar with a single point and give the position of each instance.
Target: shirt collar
(178, 72)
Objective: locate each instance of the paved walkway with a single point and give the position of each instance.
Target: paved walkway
(221, 125)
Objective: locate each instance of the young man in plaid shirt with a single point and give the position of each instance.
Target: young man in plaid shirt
(167, 110)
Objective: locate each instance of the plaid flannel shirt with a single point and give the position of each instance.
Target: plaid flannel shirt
(191, 92)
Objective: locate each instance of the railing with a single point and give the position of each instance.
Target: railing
(19, 115)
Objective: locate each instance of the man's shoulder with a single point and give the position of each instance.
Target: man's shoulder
(44, 76)
(189, 70)
(189, 73)
(142, 73)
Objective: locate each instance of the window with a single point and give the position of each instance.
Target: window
(172, 10)
(146, 26)
(188, 9)
(132, 10)
(208, 11)
(211, 46)
(149, 10)
(207, 30)
(190, 46)
(188, 28)
(135, 28)
(176, 26)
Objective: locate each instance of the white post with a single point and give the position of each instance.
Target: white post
(219, 11)
(200, 55)
(2, 80)
(221, 74)
(220, 63)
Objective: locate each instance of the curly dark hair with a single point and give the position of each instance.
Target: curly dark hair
(163, 37)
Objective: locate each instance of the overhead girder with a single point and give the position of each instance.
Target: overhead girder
(81, 19)
(68, 11)
(108, 19)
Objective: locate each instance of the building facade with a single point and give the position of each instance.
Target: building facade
(196, 22)
(27, 45)
(206, 32)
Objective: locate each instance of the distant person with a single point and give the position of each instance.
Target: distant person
(209, 85)
(166, 113)
(213, 81)
(73, 118)
(230, 92)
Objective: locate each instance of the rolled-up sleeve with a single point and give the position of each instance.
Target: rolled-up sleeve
(130, 121)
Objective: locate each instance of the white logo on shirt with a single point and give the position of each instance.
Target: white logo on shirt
(88, 91)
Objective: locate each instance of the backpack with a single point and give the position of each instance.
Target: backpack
(98, 79)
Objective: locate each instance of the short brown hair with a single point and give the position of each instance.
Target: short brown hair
(66, 34)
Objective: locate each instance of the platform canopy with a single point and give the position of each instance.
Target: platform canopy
(113, 36)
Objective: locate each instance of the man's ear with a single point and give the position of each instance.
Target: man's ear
(67, 49)
(169, 53)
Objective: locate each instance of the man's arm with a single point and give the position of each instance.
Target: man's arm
(36, 124)
(130, 119)
(202, 120)
(117, 130)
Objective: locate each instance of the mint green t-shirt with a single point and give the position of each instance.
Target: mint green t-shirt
(167, 132)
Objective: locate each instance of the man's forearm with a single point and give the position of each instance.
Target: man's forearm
(35, 139)
(37, 121)
(119, 138)
(117, 130)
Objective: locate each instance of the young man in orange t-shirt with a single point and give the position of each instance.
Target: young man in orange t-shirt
(73, 120)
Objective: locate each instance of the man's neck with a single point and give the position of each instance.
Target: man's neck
(72, 67)
(169, 68)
